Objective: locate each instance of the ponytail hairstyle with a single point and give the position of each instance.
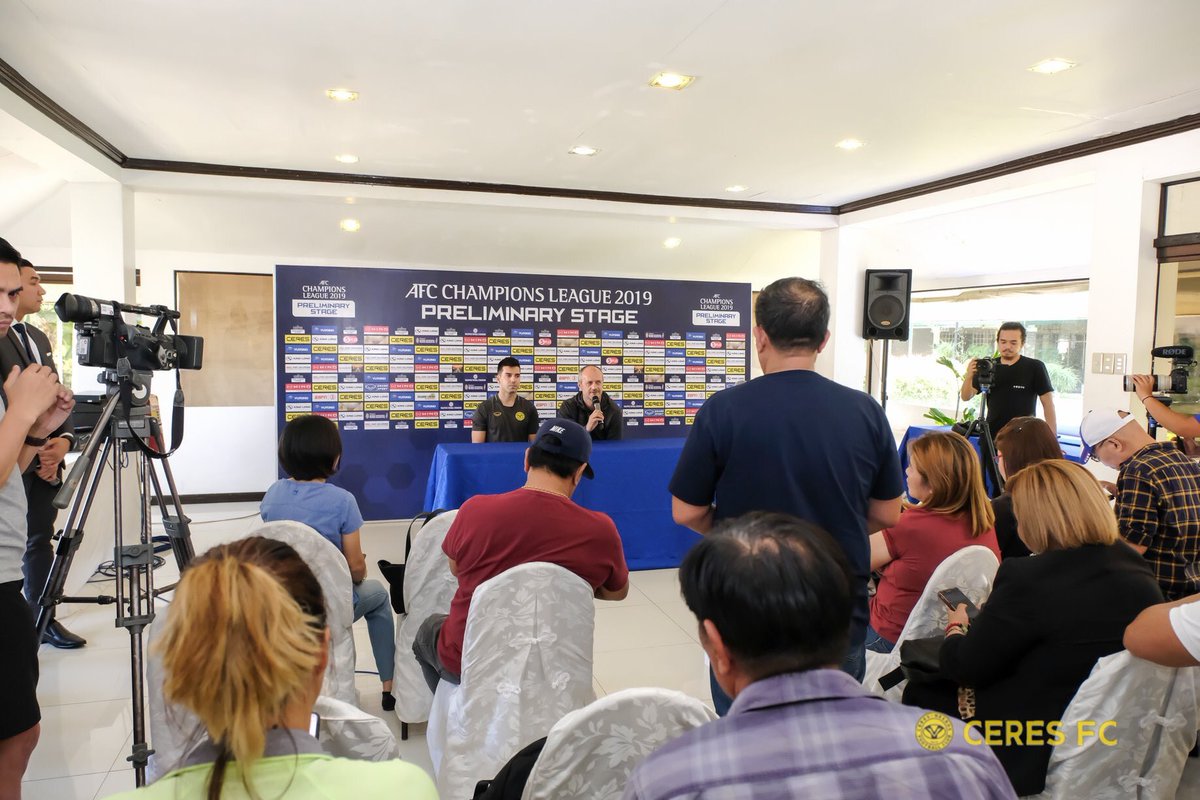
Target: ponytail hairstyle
(950, 466)
(246, 632)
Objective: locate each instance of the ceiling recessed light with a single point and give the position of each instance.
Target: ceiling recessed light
(671, 80)
(341, 95)
(346, 158)
(737, 187)
(672, 242)
(583, 150)
(849, 144)
(350, 225)
(1052, 66)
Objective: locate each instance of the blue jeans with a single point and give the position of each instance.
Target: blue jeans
(855, 666)
(876, 643)
(371, 601)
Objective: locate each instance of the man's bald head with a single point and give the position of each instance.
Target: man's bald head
(591, 382)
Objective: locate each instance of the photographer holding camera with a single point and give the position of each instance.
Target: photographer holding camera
(1184, 426)
(1017, 382)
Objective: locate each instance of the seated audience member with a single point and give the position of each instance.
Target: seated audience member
(245, 650)
(1158, 496)
(538, 522)
(952, 512)
(1167, 634)
(1021, 442)
(773, 596)
(309, 451)
(1048, 618)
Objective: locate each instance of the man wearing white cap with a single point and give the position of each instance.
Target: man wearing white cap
(1158, 497)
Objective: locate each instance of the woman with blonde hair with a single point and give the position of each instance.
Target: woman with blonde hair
(1050, 617)
(1022, 442)
(245, 650)
(952, 512)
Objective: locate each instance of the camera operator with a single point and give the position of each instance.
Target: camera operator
(1019, 382)
(1182, 425)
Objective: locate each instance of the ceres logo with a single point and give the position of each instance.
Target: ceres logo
(934, 731)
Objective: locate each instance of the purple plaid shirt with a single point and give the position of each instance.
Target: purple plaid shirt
(816, 734)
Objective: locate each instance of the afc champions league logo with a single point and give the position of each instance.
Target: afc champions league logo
(934, 731)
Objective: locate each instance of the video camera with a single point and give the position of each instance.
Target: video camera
(1176, 381)
(102, 337)
(985, 373)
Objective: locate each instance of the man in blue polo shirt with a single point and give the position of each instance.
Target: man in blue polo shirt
(796, 442)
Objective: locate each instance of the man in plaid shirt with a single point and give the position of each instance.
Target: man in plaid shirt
(1158, 497)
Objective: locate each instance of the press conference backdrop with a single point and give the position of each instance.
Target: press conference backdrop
(400, 358)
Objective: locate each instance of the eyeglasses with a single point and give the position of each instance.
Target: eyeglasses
(1092, 455)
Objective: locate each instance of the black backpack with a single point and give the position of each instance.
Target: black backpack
(394, 573)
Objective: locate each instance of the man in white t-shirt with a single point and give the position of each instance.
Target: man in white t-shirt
(1167, 634)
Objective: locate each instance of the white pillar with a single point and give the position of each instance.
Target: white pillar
(102, 252)
(844, 358)
(1124, 280)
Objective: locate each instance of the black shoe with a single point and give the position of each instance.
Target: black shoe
(60, 637)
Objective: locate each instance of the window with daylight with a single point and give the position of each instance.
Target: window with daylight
(950, 327)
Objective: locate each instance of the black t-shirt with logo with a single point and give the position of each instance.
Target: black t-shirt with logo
(1015, 391)
(503, 423)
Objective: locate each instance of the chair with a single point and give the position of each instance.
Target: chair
(428, 589)
(590, 753)
(173, 731)
(1155, 710)
(971, 569)
(349, 732)
(527, 661)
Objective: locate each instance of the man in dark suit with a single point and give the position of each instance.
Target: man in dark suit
(22, 346)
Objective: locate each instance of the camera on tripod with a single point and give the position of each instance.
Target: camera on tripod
(1176, 381)
(985, 373)
(102, 336)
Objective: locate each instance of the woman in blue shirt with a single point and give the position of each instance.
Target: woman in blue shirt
(309, 451)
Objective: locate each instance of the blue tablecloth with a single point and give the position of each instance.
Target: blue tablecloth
(630, 486)
(1072, 446)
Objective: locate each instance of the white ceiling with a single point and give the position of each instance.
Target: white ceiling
(497, 92)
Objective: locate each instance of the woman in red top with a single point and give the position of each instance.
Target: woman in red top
(952, 512)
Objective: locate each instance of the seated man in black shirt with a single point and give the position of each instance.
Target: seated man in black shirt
(592, 408)
(505, 417)
(1019, 382)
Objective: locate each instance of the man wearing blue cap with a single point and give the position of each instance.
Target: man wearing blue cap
(538, 522)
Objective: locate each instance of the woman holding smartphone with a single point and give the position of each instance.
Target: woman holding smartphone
(1050, 617)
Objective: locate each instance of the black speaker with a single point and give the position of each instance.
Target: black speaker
(886, 300)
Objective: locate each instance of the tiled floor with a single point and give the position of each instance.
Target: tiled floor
(649, 639)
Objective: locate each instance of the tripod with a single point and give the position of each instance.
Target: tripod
(114, 435)
(987, 446)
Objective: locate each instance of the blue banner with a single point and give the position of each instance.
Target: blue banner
(400, 358)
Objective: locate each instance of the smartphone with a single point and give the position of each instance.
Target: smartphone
(314, 725)
(953, 598)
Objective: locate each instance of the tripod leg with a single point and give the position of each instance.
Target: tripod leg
(176, 525)
(70, 538)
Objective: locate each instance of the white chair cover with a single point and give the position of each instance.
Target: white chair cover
(173, 731)
(349, 732)
(971, 569)
(428, 589)
(590, 753)
(1156, 714)
(527, 661)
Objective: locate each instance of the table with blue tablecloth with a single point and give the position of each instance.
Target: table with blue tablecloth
(630, 486)
(1072, 446)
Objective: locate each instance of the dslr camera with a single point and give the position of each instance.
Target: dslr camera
(1176, 381)
(102, 337)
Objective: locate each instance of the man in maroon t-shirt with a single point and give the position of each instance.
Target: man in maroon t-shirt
(538, 522)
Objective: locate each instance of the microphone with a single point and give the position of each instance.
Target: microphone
(595, 401)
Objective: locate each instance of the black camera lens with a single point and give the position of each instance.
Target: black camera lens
(77, 308)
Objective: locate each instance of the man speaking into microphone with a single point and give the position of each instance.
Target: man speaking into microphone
(592, 408)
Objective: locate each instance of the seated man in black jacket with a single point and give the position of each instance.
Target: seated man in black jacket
(592, 408)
